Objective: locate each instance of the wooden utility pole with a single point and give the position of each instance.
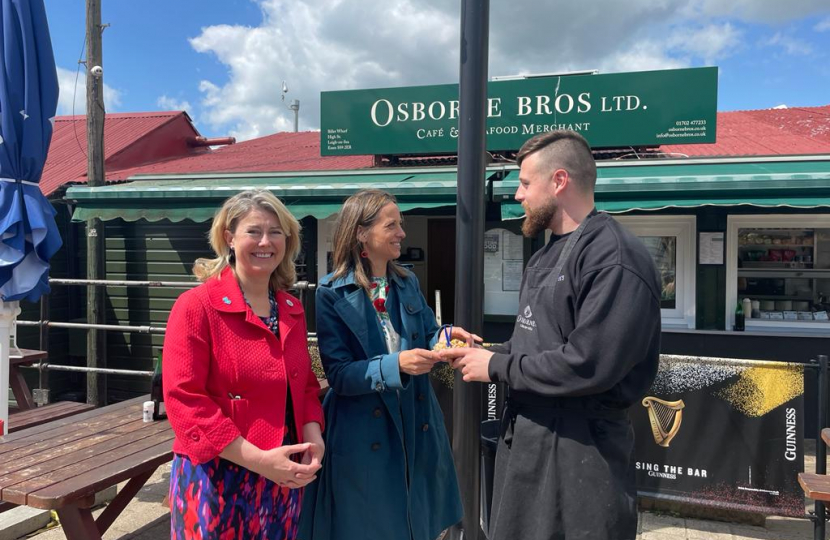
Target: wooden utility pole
(96, 343)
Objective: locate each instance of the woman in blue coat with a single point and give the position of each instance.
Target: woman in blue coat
(388, 473)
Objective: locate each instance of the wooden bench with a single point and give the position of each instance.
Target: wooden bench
(22, 394)
(60, 465)
(817, 487)
(23, 419)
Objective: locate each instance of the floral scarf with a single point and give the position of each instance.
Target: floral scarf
(379, 293)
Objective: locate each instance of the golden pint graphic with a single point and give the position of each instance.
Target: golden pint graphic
(665, 418)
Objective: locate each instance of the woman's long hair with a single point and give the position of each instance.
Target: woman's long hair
(229, 216)
(359, 210)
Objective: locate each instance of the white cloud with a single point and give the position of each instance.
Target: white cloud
(789, 44)
(822, 26)
(708, 43)
(763, 11)
(641, 56)
(70, 91)
(319, 45)
(168, 103)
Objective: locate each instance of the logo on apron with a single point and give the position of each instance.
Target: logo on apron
(525, 320)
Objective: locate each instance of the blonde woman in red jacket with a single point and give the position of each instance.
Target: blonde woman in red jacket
(238, 385)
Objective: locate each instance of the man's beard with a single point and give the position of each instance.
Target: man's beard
(538, 220)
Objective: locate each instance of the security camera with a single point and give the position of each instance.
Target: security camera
(97, 71)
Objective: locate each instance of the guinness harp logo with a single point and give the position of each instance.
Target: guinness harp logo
(665, 418)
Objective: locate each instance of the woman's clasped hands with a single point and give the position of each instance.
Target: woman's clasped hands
(277, 465)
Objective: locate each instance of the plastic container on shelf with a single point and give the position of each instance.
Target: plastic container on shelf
(747, 307)
(783, 305)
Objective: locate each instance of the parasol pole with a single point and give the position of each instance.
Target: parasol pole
(8, 313)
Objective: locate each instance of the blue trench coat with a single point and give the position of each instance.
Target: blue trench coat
(388, 473)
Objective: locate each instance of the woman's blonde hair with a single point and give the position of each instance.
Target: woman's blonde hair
(229, 216)
(359, 210)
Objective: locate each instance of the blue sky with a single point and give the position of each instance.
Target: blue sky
(224, 60)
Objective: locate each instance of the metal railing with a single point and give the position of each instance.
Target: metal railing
(44, 324)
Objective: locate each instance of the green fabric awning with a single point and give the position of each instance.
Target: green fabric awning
(761, 182)
(622, 186)
(177, 198)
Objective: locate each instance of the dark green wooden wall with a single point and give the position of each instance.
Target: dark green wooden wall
(141, 251)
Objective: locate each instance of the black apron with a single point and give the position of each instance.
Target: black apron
(563, 468)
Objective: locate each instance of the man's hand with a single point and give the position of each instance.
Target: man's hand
(473, 363)
(469, 338)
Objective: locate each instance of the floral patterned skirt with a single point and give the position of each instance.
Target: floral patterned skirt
(220, 500)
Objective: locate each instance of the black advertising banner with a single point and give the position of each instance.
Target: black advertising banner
(722, 432)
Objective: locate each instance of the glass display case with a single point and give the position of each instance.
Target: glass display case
(785, 272)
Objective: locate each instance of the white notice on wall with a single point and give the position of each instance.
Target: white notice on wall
(492, 269)
(513, 246)
(511, 275)
(711, 248)
(502, 275)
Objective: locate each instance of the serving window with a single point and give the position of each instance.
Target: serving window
(781, 266)
(671, 242)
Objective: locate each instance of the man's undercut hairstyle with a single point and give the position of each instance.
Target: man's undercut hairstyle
(563, 149)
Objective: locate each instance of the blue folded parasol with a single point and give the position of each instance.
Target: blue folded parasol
(28, 101)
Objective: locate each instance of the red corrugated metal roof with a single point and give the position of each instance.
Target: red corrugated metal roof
(273, 153)
(802, 130)
(790, 131)
(66, 161)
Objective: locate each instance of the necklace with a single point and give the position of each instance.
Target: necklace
(273, 318)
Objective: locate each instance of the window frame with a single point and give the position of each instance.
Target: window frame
(683, 228)
(765, 221)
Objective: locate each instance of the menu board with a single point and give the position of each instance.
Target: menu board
(503, 266)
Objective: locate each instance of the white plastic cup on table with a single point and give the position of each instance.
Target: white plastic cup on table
(147, 411)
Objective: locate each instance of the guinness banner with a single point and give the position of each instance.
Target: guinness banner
(724, 433)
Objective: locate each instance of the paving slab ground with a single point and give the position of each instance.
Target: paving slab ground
(147, 518)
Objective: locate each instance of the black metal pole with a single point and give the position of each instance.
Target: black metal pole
(821, 449)
(469, 250)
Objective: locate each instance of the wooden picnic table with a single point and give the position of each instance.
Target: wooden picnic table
(20, 389)
(60, 465)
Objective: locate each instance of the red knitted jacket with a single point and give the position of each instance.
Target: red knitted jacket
(226, 374)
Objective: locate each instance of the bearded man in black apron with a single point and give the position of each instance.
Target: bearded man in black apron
(585, 347)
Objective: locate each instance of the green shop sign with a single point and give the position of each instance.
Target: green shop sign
(614, 110)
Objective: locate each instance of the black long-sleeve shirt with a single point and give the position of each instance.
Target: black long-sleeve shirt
(605, 339)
